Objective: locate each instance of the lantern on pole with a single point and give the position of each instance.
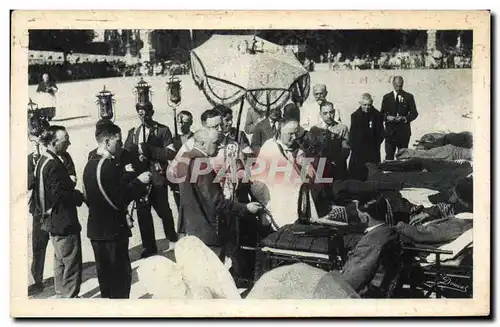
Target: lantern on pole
(143, 95)
(174, 97)
(105, 103)
(174, 91)
(37, 121)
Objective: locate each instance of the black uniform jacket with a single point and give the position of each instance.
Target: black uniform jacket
(108, 191)
(55, 196)
(32, 161)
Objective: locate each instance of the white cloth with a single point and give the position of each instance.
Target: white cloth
(277, 190)
(197, 274)
(369, 229)
(202, 269)
(418, 195)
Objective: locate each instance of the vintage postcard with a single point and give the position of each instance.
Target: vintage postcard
(236, 164)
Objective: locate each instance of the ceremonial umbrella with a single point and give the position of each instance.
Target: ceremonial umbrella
(232, 68)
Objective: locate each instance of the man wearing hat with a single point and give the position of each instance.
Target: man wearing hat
(399, 110)
(151, 146)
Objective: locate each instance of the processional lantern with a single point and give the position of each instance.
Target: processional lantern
(105, 103)
(174, 91)
(174, 97)
(143, 95)
(37, 121)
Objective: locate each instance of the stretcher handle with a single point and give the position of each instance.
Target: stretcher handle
(427, 250)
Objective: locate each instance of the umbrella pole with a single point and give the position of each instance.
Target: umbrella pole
(238, 122)
(268, 106)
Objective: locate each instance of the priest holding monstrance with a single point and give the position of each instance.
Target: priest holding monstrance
(152, 145)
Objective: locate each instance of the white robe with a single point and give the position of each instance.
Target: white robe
(275, 189)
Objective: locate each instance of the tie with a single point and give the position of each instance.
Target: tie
(273, 127)
(398, 103)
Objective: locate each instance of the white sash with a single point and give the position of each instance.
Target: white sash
(101, 188)
(41, 188)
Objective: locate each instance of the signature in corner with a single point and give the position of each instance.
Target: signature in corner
(448, 283)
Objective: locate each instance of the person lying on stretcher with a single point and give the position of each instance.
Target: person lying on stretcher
(444, 222)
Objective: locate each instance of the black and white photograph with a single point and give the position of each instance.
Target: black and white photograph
(306, 163)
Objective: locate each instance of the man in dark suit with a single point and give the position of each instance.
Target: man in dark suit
(265, 129)
(372, 262)
(40, 238)
(365, 137)
(202, 200)
(399, 110)
(108, 191)
(56, 199)
(152, 146)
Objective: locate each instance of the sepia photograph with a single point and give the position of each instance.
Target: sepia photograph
(204, 161)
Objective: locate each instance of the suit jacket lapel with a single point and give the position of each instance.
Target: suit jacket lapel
(153, 130)
(136, 134)
(394, 102)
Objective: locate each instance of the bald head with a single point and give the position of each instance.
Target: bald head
(288, 132)
(319, 88)
(320, 93)
(397, 83)
(206, 139)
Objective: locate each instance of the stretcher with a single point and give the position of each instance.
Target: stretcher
(319, 246)
(446, 271)
(425, 272)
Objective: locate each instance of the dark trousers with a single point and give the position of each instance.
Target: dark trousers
(177, 199)
(114, 271)
(67, 264)
(158, 199)
(394, 144)
(39, 241)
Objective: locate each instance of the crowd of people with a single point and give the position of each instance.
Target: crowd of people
(397, 60)
(63, 72)
(70, 72)
(229, 187)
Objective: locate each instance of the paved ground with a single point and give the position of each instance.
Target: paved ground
(441, 96)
